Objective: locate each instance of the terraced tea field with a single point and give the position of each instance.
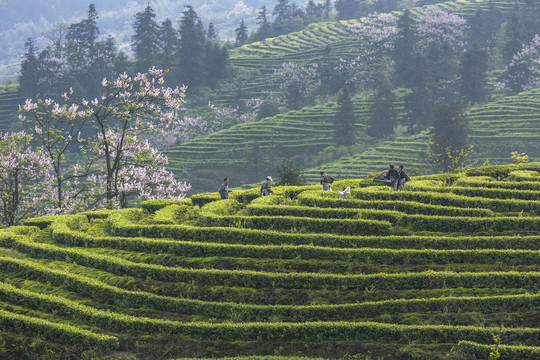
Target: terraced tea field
(323, 42)
(204, 160)
(497, 129)
(9, 110)
(452, 261)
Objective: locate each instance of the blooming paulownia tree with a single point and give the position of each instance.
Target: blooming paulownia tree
(128, 109)
(296, 82)
(376, 34)
(523, 71)
(57, 129)
(140, 173)
(22, 174)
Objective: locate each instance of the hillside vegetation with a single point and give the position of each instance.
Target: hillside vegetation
(449, 262)
(497, 129)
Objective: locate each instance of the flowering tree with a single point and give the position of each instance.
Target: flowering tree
(127, 109)
(185, 128)
(296, 82)
(440, 37)
(22, 170)
(130, 107)
(438, 26)
(523, 71)
(376, 34)
(140, 173)
(57, 129)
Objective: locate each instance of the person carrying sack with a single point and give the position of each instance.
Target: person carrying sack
(393, 177)
(326, 181)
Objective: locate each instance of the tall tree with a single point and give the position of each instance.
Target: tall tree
(313, 11)
(145, 40)
(105, 59)
(344, 121)
(28, 77)
(212, 33)
(80, 40)
(418, 103)
(191, 51)
(52, 74)
(404, 49)
(515, 38)
(241, 34)
(168, 44)
(484, 25)
(383, 112)
(80, 50)
(263, 30)
(327, 8)
(473, 73)
(282, 10)
(57, 36)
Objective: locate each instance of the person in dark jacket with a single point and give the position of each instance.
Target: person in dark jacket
(266, 188)
(403, 177)
(393, 177)
(224, 189)
(326, 181)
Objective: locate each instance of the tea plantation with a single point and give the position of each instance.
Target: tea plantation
(497, 129)
(446, 268)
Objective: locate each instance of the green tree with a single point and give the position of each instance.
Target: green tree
(289, 173)
(212, 33)
(473, 73)
(515, 38)
(29, 71)
(168, 45)
(383, 112)
(282, 10)
(327, 8)
(241, 34)
(191, 51)
(418, 103)
(80, 40)
(145, 41)
(404, 50)
(344, 121)
(314, 11)
(449, 146)
(263, 31)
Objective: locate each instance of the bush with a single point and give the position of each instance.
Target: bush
(474, 350)
(154, 205)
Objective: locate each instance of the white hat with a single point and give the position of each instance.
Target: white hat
(269, 178)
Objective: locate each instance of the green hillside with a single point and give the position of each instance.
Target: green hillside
(321, 42)
(9, 107)
(204, 160)
(394, 275)
(497, 129)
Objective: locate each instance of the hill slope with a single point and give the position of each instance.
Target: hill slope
(497, 129)
(303, 272)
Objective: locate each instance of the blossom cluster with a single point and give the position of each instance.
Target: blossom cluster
(116, 160)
